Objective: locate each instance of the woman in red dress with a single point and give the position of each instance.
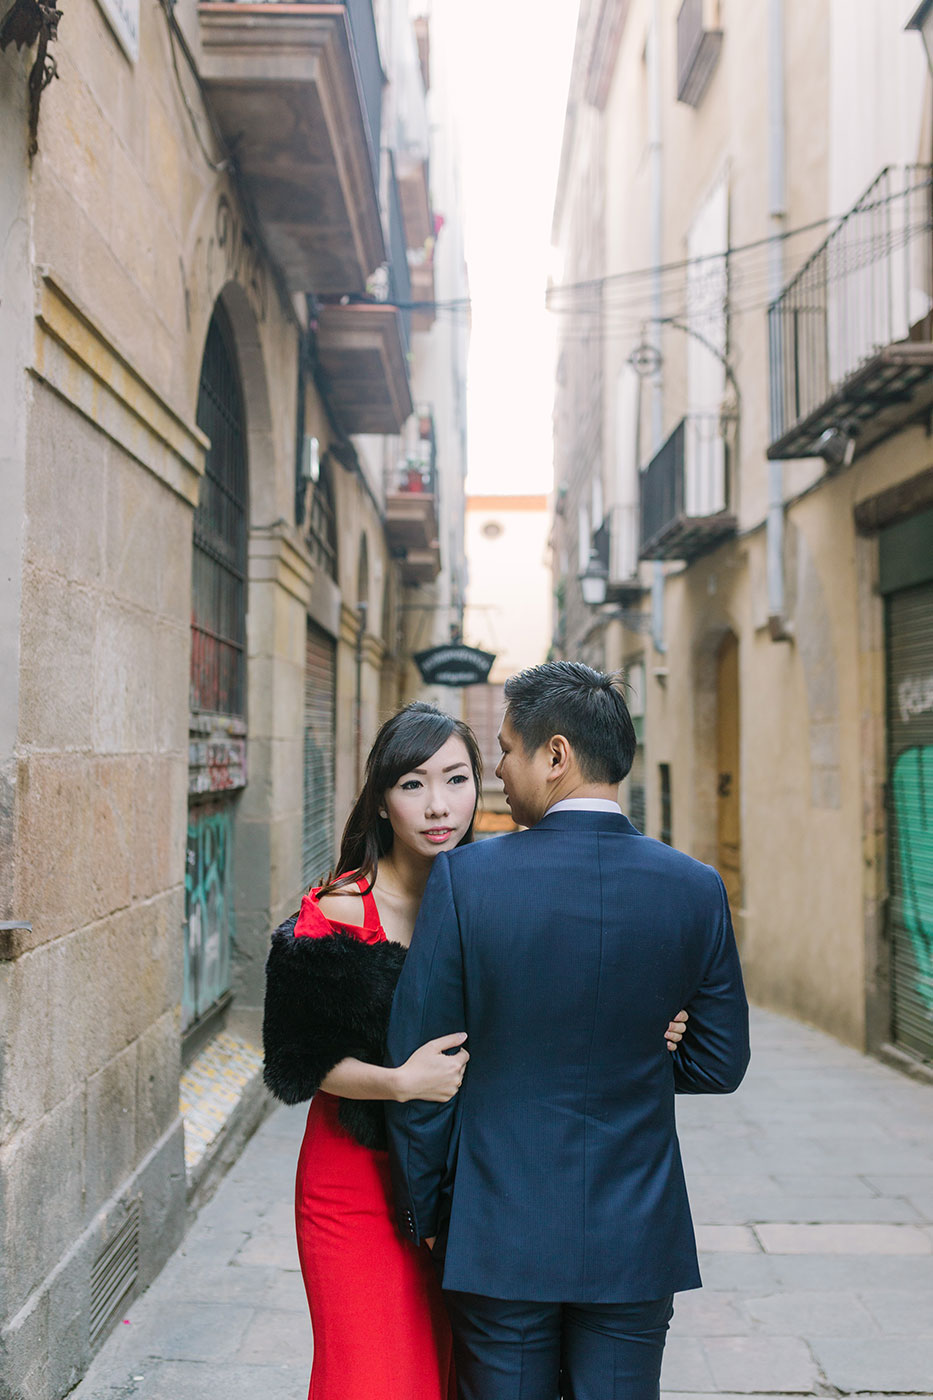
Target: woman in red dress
(380, 1329)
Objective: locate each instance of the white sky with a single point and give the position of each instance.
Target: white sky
(511, 102)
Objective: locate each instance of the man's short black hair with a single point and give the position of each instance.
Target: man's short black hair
(586, 706)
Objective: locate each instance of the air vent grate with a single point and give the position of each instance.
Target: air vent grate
(114, 1274)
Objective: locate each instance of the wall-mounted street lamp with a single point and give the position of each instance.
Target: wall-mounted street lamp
(595, 576)
(922, 21)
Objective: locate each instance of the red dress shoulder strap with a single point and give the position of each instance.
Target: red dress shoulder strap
(370, 912)
(313, 922)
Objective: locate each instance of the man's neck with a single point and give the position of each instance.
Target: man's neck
(604, 792)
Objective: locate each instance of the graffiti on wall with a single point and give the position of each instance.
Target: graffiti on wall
(208, 908)
(216, 765)
(912, 790)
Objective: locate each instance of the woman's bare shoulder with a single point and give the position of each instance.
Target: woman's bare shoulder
(344, 906)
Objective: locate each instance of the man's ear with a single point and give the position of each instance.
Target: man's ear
(560, 756)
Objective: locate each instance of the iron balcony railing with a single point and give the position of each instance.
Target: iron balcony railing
(415, 477)
(684, 491)
(399, 278)
(866, 287)
(662, 489)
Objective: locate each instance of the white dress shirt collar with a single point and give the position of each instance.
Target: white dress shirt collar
(584, 804)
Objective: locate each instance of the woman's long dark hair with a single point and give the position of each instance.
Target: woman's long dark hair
(404, 742)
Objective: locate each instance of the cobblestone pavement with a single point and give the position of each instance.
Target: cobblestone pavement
(813, 1196)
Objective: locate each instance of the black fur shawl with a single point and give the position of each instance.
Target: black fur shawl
(327, 998)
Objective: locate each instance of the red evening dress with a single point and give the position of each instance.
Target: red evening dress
(378, 1319)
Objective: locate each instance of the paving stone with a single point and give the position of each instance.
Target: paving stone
(901, 1184)
(858, 1273)
(198, 1331)
(277, 1336)
(761, 1363)
(899, 1312)
(685, 1366)
(706, 1314)
(773, 1395)
(179, 1380)
(276, 1250)
(279, 1219)
(726, 1239)
(756, 1209)
(843, 1239)
(878, 1363)
(810, 1314)
(740, 1273)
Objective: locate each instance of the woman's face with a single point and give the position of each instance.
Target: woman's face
(431, 807)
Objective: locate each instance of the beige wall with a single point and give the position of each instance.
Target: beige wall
(15, 295)
(811, 724)
(135, 239)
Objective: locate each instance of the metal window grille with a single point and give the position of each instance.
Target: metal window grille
(317, 847)
(322, 524)
(218, 606)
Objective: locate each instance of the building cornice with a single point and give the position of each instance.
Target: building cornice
(78, 362)
(274, 558)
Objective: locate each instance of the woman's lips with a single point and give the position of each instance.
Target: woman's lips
(438, 835)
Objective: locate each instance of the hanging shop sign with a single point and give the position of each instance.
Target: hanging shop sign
(454, 665)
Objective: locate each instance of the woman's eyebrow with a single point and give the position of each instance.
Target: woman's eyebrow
(449, 769)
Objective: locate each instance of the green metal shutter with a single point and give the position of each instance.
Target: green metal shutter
(318, 837)
(910, 797)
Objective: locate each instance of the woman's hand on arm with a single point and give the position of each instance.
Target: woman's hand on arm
(675, 1031)
(428, 1074)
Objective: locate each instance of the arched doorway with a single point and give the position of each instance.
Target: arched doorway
(217, 762)
(728, 771)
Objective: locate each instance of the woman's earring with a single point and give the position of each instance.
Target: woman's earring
(383, 815)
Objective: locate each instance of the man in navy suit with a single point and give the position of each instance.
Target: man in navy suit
(552, 1181)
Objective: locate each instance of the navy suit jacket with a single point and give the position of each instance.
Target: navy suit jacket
(564, 950)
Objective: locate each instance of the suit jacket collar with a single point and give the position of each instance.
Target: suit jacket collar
(586, 821)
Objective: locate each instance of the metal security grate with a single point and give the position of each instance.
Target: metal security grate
(114, 1275)
(910, 814)
(218, 607)
(317, 847)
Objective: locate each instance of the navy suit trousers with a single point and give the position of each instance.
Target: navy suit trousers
(507, 1350)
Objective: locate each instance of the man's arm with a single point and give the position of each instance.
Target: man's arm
(428, 1003)
(713, 1056)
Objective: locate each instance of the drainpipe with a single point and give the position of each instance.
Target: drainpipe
(778, 625)
(657, 250)
(361, 610)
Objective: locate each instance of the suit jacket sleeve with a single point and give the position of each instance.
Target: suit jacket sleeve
(429, 1002)
(714, 1053)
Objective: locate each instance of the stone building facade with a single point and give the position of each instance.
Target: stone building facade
(758, 518)
(221, 484)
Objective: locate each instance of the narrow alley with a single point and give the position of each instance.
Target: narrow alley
(813, 1198)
